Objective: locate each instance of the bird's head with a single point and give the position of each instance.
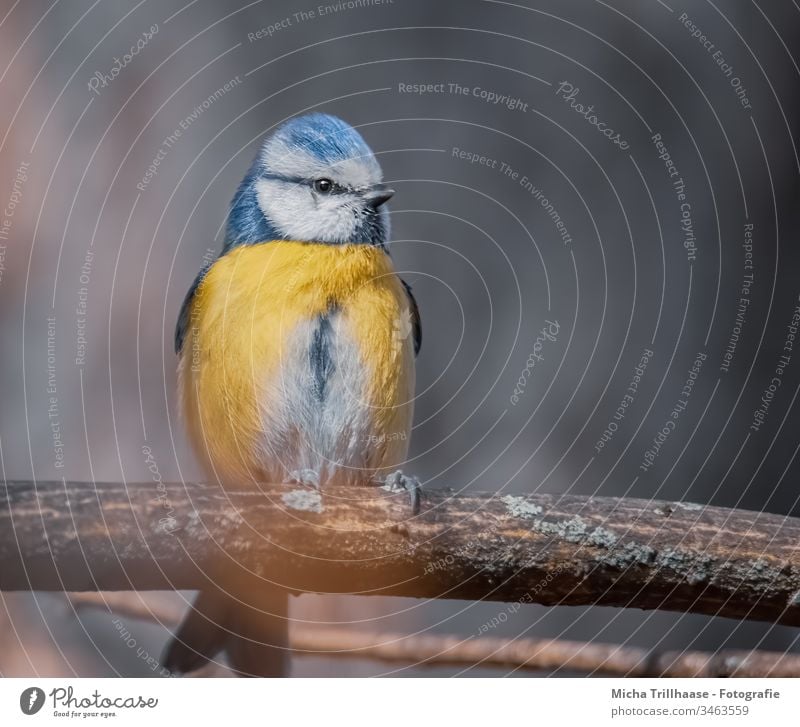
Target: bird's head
(313, 180)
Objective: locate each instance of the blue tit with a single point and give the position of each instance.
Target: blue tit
(297, 349)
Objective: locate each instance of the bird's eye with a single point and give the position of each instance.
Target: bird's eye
(323, 186)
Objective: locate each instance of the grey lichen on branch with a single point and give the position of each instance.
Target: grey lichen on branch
(548, 549)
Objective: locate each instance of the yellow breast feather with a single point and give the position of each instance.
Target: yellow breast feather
(243, 315)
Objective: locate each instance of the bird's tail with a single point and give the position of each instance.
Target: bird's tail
(254, 635)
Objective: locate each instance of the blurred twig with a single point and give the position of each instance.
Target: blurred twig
(166, 612)
(526, 654)
(542, 655)
(537, 549)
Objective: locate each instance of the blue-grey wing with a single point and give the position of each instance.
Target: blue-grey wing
(415, 319)
(182, 325)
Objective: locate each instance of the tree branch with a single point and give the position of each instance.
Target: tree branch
(536, 549)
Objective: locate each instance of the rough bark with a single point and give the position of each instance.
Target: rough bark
(543, 549)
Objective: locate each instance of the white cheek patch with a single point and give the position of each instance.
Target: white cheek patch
(297, 214)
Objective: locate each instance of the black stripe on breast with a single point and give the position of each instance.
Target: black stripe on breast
(320, 357)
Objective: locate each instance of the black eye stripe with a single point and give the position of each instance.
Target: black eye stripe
(335, 188)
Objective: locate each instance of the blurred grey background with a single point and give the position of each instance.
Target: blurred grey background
(559, 222)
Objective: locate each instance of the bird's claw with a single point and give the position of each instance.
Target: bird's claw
(306, 477)
(398, 482)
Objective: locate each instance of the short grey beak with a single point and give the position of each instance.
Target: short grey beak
(378, 195)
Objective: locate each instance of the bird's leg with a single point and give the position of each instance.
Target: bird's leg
(309, 478)
(398, 482)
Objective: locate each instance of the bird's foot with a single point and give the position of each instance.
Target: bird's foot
(398, 482)
(309, 478)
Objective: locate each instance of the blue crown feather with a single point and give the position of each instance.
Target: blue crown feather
(326, 137)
